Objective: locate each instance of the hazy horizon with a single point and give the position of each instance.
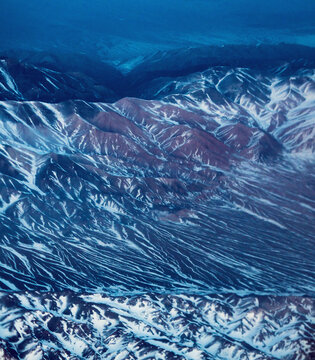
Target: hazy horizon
(142, 27)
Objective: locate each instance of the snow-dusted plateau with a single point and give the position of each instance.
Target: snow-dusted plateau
(161, 208)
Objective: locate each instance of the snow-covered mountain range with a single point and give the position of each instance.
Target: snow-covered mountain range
(158, 209)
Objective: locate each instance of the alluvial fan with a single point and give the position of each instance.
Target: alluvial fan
(173, 223)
